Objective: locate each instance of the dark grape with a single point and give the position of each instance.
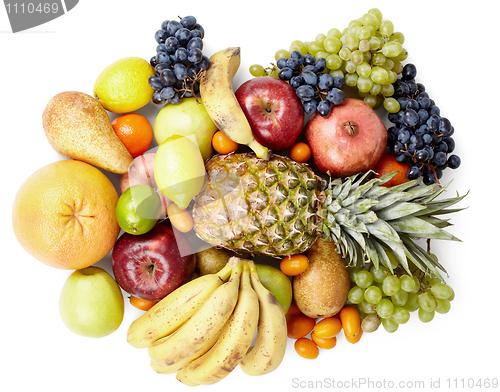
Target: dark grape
(335, 96)
(338, 82)
(167, 92)
(195, 42)
(155, 82)
(310, 106)
(281, 63)
(172, 27)
(161, 36)
(285, 73)
(325, 82)
(296, 81)
(305, 92)
(413, 173)
(179, 60)
(195, 56)
(180, 71)
(409, 72)
(183, 35)
(204, 63)
(198, 27)
(188, 22)
(420, 135)
(324, 108)
(317, 90)
(453, 161)
(310, 78)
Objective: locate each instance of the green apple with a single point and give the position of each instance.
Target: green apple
(277, 283)
(91, 303)
(184, 119)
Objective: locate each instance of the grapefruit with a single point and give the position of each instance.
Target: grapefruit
(64, 215)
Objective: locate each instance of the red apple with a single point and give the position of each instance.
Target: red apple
(350, 140)
(273, 110)
(152, 265)
(141, 172)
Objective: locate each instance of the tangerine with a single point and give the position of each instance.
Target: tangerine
(134, 131)
(300, 152)
(306, 348)
(223, 144)
(299, 326)
(387, 164)
(141, 304)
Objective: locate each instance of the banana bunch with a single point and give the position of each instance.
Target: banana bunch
(204, 329)
(217, 94)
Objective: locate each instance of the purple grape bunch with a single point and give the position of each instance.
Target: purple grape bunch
(420, 135)
(179, 61)
(317, 90)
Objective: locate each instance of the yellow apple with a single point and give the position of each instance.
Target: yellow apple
(187, 118)
(91, 303)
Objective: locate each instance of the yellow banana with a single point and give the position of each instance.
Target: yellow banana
(217, 94)
(173, 310)
(234, 340)
(197, 335)
(182, 377)
(270, 345)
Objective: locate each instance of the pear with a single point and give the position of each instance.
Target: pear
(212, 260)
(78, 127)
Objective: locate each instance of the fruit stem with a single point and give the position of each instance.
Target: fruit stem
(268, 106)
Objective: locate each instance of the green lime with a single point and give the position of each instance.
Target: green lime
(138, 209)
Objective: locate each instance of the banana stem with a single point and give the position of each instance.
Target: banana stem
(261, 151)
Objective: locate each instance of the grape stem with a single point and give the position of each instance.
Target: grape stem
(433, 167)
(188, 84)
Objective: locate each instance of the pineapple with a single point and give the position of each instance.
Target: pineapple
(279, 207)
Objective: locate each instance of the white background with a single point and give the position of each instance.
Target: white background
(453, 47)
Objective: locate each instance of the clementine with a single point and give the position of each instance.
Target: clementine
(135, 132)
(64, 215)
(387, 164)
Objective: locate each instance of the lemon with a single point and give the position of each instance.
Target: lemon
(179, 169)
(138, 209)
(123, 86)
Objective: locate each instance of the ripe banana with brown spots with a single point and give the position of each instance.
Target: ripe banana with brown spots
(234, 340)
(217, 94)
(198, 334)
(269, 349)
(175, 309)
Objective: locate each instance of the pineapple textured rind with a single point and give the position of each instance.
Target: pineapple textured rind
(259, 206)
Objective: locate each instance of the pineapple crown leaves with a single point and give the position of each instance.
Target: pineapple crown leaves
(366, 220)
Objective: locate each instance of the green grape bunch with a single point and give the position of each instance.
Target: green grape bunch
(388, 295)
(368, 54)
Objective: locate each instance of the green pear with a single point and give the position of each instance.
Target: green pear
(212, 260)
(186, 118)
(276, 282)
(78, 127)
(91, 303)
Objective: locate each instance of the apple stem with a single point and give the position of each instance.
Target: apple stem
(268, 107)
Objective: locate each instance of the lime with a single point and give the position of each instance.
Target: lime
(138, 209)
(123, 86)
